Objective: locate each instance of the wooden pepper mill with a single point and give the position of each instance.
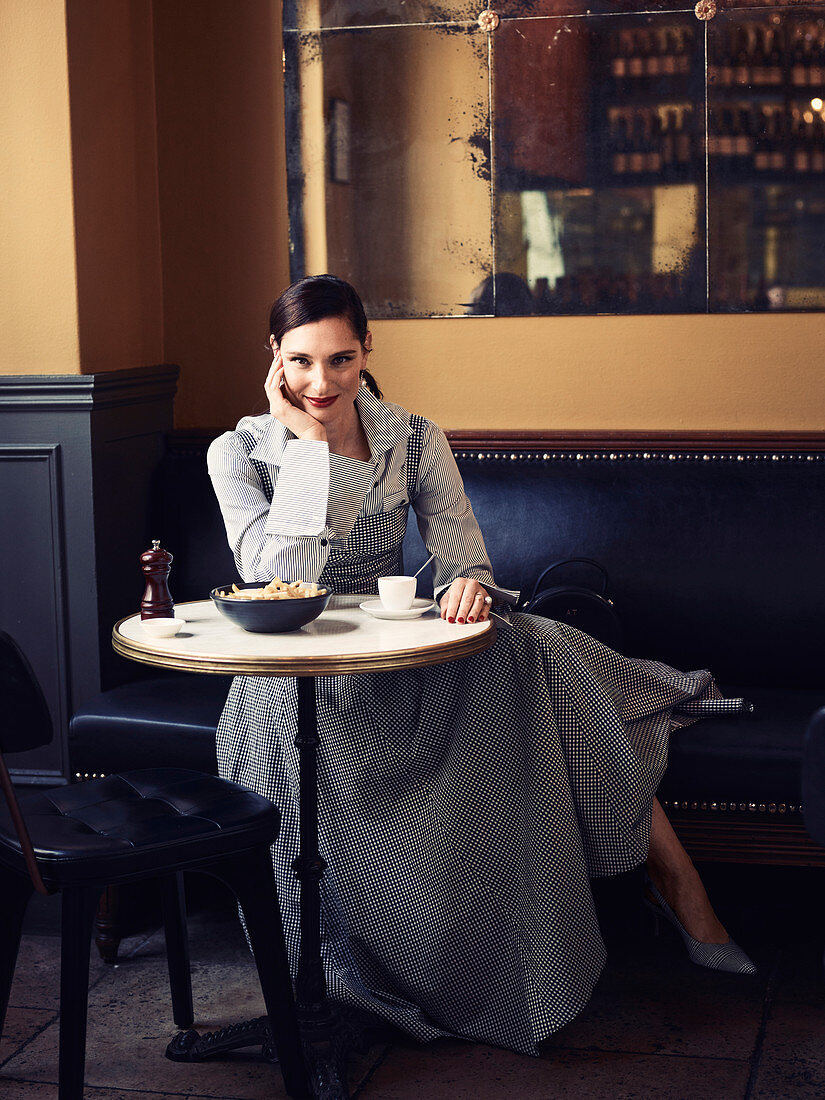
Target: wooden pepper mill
(157, 601)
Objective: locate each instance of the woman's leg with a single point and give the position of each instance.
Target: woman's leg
(677, 880)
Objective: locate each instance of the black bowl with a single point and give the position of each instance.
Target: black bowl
(268, 616)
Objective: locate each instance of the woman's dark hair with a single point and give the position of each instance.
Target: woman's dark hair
(314, 299)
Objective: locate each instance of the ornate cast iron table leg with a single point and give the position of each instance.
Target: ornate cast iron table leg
(322, 1029)
(326, 1035)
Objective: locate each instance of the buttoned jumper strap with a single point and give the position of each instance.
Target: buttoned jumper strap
(415, 445)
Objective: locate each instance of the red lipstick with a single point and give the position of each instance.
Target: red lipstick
(322, 402)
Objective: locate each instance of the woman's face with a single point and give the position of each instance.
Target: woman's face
(322, 364)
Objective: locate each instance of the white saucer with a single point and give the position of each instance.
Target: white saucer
(378, 611)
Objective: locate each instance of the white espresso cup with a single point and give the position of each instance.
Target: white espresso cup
(397, 593)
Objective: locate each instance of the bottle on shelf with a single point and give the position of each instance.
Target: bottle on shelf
(779, 142)
(635, 62)
(725, 61)
(684, 50)
(800, 57)
(817, 145)
(775, 63)
(620, 52)
(670, 170)
(637, 160)
(759, 56)
(653, 133)
(816, 70)
(742, 141)
(620, 145)
(769, 151)
(742, 58)
(770, 154)
(683, 142)
(650, 55)
(668, 62)
(800, 156)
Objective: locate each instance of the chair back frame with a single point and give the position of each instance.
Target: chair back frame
(19, 823)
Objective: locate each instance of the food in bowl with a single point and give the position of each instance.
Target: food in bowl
(276, 612)
(276, 590)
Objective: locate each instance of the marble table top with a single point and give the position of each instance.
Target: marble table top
(342, 639)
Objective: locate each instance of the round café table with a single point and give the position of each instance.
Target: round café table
(344, 640)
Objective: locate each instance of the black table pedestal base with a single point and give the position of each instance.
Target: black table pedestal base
(189, 1046)
(327, 1044)
(327, 1034)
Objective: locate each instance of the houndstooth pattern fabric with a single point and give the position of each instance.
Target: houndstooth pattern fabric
(463, 810)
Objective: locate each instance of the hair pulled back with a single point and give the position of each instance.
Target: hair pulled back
(315, 298)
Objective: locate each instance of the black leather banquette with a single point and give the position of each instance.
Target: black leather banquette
(713, 549)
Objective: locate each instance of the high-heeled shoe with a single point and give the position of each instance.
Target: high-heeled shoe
(715, 956)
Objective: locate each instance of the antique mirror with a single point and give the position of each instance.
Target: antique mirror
(558, 157)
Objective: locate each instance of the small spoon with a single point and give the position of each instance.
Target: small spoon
(424, 566)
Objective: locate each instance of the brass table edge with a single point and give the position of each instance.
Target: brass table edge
(302, 666)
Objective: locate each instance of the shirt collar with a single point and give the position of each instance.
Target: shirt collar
(385, 426)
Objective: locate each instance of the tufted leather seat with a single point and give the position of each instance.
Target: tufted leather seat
(169, 720)
(155, 822)
(121, 826)
(813, 776)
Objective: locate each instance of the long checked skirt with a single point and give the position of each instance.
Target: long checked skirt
(464, 809)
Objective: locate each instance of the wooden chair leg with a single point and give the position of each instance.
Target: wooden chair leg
(79, 906)
(252, 879)
(107, 925)
(15, 892)
(177, 949)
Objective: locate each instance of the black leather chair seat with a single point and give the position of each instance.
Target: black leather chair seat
(813, 777)
(167, 720)
(120, 825)
(753, 758)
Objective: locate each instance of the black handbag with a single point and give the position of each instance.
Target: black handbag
(588, 608)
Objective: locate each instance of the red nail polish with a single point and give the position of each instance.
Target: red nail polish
(450, 619)
(470, 619)
(460, 619)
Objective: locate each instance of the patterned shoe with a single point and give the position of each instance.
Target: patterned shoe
(715, 956)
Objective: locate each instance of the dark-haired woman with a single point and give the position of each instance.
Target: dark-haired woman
(464, 807)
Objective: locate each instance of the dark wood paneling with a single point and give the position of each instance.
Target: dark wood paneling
(658, 442)
(32, 596)
(79, 454)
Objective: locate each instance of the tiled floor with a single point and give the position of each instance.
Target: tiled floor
(656, 1027)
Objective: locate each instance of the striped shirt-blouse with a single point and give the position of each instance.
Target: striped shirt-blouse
(285, 500)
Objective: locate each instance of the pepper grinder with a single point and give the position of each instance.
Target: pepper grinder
(157, 601)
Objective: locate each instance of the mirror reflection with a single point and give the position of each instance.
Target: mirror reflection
(566, 161)
(389, 165)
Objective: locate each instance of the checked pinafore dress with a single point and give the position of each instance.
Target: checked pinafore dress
(464, 807)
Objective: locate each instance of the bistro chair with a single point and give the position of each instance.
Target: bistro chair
(813, 779)
(154, 823)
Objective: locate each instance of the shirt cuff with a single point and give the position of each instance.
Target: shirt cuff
(299, 502)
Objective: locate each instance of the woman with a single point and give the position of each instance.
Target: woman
(464, 807)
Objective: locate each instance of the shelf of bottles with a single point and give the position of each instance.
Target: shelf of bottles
(652, 119)
(765, 100)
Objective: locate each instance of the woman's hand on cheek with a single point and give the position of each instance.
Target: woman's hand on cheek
(284, 408)
(465, 601)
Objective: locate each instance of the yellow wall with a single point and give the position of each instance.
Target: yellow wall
(173, 183)
(115, 184)
(222, 199)
(38, 294)
(742, 373)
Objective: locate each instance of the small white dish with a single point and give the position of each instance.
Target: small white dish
(162, 628)
(378, 611)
